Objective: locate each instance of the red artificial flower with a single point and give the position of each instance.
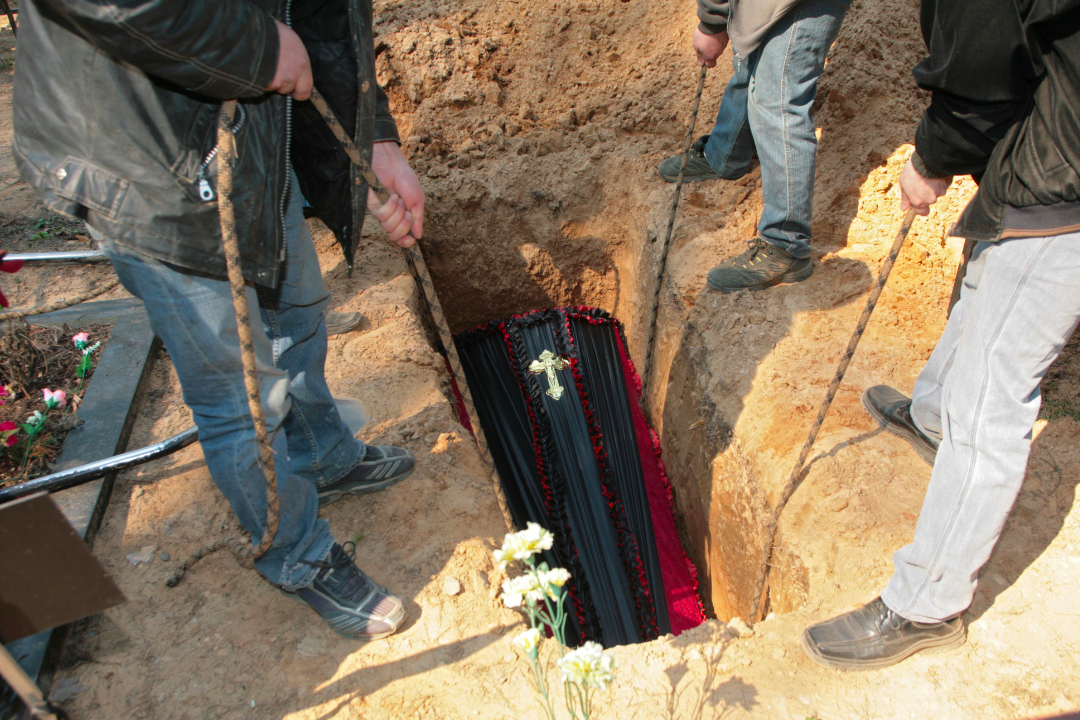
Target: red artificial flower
(8, 266)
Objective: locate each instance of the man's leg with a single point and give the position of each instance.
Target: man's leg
(926, 398)
(728, 151)
(194, 317)
(730, 147)
(784, 74)
(322, 448)
(918, 419)
(1020, 312)
(1018, 319)
(783, 86)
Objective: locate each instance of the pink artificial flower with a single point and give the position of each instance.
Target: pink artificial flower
(11, 440)
(7, 425)
(80, 340)
(54, 398)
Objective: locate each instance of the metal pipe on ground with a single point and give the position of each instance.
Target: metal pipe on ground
(59, 258)
(92, 471)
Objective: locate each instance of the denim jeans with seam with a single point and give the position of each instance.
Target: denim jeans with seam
(979, 395)
(767, 107)
(194, 317)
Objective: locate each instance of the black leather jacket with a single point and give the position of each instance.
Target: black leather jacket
(1005, 78)
(116, 108)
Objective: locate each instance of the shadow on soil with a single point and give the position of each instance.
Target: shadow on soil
(1044, 503)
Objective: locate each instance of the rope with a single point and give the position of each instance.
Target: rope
(667, 237)
(792, 482)
(60, 304)
(226, 156)
(419, 270)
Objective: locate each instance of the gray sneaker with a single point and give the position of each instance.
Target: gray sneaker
(893, 410)
(350, 602)
(381, 467)
(340, 322)
(760, 266)
(697, 167)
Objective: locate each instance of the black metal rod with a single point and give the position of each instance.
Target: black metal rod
(92, 471)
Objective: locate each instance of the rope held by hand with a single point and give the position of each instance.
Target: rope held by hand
(760, 588)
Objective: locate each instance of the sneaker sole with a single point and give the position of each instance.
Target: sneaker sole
(931, 645)
(689, 178)
(899, 431)
(361, 638)
(332, 496)
(785, 279)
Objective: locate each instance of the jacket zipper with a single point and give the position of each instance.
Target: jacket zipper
(206, 193)
(288, 148)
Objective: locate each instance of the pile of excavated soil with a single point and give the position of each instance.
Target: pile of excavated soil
(536, 128)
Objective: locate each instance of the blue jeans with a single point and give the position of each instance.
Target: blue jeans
(194, 317)
(767, 106)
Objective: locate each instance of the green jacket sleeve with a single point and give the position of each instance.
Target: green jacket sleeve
(713, 16)
(219, 48)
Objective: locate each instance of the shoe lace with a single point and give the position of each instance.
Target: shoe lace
(340, 556)
(886, 617)
(340, 573)
(756, 251)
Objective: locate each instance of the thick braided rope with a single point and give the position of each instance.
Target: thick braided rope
(657, 286)
(227, 143)
(226, 212)
(60, 304)
(418, 268)
(789, 487)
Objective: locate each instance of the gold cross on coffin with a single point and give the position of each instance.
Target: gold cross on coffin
(548, 363)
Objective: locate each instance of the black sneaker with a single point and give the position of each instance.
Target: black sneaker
(893, 410)
(875, 637)
(350, 602)
(381, 467)
(697, 167)
(760, 266)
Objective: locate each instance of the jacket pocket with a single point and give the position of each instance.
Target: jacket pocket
(87, 184)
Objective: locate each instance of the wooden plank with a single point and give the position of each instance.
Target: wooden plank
(48, 576)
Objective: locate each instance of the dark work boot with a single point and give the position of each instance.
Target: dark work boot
(893, 410)
(760, 266)
(697, 167)
(875, 637)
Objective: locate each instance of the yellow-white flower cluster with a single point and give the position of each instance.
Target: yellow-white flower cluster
(529, 640)
(588, 666)
(533, 587)
(524, 544)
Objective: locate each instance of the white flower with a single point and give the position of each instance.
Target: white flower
(524, 544)
(519, 588)
(529, 640)
(556, 577)
(587, 666)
